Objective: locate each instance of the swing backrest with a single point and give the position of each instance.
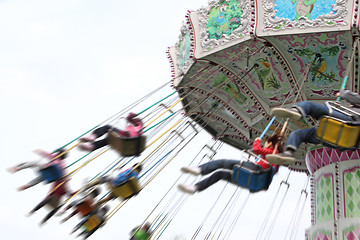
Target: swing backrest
(51, 173)
(127, 188)
(85, 207)
(337, 133)
(253, 180)
(141, 235)
(92, 222)
(126, 146)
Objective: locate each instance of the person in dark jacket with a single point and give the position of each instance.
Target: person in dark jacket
(223, 168)
(306, 108)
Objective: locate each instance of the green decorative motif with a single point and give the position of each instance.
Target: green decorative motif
(230, 89)
(318, 69)
(265, 74)
(324, 199)
(352, 193)
(224, 19)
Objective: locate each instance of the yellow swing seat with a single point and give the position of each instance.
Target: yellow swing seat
(91, 223)
(126, 189)
(338, 133)
(126, 146)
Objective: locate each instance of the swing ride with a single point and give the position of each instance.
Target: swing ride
(261, 62)
(234, 62)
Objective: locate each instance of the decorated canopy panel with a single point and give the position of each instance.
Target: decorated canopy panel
(237, 59)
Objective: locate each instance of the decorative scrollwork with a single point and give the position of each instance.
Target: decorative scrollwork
(208, 44)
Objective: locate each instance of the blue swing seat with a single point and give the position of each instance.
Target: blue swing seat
(51, 173)
(253, 180)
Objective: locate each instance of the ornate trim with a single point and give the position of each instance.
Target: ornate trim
(319, 157)
(185, 29)
(172, 66)
(247, 22)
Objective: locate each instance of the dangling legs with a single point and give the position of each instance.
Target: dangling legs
(316, 110)
(69, 216)
(79, 225)
(101, 180)
(297, 112)
(96, 133)
(40, 205)
(214, 178)
(105, 200)
(32, 183)
(21, 166)
(93, 230)
(207, 182)
(49, 215)
(211, 166)
(225, 173)
(306, 108)
(294, 141)
(91, 145)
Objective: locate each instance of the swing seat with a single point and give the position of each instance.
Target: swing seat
(92, 222)
(51, 173)
(253, 180)
(126, 146)
(337, 133)
(126, 189)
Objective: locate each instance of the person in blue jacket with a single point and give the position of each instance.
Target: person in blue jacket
(56, 160)
(116, 181)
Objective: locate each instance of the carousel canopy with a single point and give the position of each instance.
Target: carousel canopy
(237, 59)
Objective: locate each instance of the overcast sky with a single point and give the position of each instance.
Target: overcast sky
(66, 66)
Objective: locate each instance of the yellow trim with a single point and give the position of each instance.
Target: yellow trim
(337, 132)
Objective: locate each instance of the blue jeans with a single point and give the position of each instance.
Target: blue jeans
(223, 170)
(316, 111)
(100, 132)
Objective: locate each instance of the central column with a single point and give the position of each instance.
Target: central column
(335, 194)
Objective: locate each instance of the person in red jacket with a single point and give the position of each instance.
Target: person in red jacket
(222, 168)
(84, 206)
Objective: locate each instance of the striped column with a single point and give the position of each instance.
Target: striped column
(335, 194)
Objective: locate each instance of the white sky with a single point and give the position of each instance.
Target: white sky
(66, 66)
